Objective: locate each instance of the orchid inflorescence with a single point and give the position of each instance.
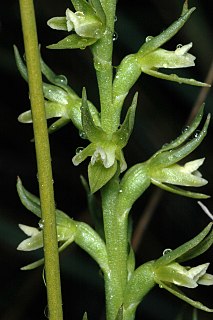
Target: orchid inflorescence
(88, 27)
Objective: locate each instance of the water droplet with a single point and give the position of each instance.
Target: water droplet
(120, 191)
(165, 65)
(82, 134)
(115, 36)
(149, 38)
(79, 149)
(185, 129)
(166, 251)
(46, 312)
(61, 79)
(160, 286)
(83, 44)
(97, 66)
(79, 14)
(179, 46)
(41, 224)
(165, 145)
(115, 18)
(196, 133)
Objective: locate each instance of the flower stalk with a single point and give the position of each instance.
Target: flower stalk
(43, 160)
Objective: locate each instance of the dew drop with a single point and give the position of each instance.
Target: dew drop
(61, 79)
(166, 251)
(79, 149)
(115, 36)
(185, 129)
(115, 18)
(196, 133)
(120, 191)
(79, 14)
(46, 312)
(82, 134)
(179, 46)
(165, 65)
(149, 38)
(41, 224)
(97, 66)
(165, 145)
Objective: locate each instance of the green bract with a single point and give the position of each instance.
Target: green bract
(105, 150)
(60, 100)
(88, 23)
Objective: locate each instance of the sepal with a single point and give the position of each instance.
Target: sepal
(122, 135)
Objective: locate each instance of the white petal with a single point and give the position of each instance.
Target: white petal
(197, 272)
(29, 231)
(206, 280)
(192, 166)
(181, 50)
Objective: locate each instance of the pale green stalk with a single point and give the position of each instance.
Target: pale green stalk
(52, 271)
(102, 53)
(116, 234)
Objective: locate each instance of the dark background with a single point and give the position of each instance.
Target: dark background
(162, 113)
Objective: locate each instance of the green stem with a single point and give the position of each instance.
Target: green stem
(116, 235)
(102, 53)
(52, 270)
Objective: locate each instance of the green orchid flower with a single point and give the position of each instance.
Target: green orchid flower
(88, 23)
(161, 58)
(169, 274)
(163, 169)
(151, 57)
(60, 100)
(105, 150)
(68, 231)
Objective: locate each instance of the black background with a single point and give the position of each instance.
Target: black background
(162, 112)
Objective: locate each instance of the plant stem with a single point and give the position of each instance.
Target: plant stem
(102, 53)
(116, 235)
(52, 270)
